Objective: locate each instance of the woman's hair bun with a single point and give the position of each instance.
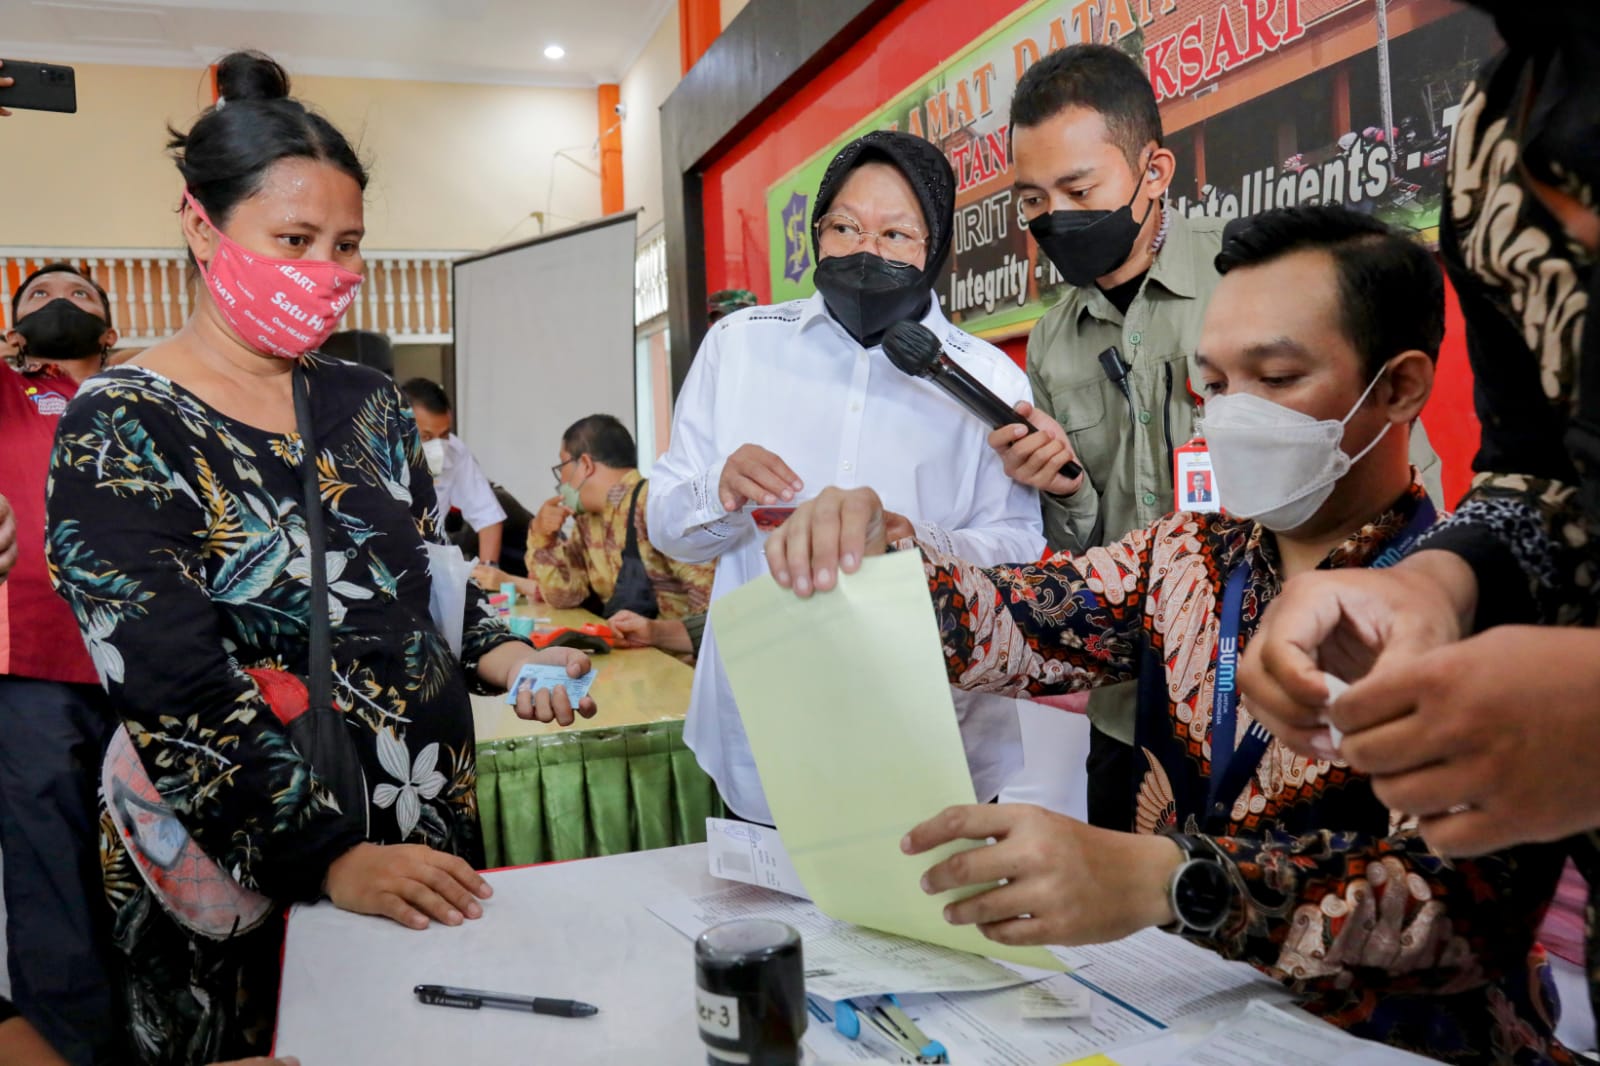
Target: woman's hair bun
(251, 76)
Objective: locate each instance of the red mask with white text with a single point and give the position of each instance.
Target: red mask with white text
(282, 307)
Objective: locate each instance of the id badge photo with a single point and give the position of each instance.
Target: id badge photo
(1194, 483)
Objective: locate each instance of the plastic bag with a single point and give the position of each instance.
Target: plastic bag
(449, 573)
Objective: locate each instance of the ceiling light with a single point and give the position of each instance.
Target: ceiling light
(554, 51)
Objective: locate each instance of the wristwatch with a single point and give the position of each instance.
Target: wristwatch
(1202, 893)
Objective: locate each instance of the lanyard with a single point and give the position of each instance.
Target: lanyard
(1231, 769)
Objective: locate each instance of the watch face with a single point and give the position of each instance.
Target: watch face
(1201, 895)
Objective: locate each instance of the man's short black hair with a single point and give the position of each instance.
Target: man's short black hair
(58, 268)
(1391, 292)
(362, 346)
(428, 395)
(1101, 79)
(604, 439)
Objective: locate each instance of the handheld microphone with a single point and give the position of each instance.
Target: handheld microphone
(914, 350)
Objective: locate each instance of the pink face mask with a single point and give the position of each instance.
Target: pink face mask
(282, 307)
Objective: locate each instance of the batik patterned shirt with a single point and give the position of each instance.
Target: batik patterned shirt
(571, 568)
(1336, 895)
(1525, 288)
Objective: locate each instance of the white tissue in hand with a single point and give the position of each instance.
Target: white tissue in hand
(1336, 688)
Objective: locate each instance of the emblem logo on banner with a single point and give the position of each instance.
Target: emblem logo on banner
(796, 248)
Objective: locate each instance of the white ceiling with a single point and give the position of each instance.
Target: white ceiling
(491, 41)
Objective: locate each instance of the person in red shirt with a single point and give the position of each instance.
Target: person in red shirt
(8, 539)
(54, 718)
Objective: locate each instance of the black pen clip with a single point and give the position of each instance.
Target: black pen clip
(438, 997)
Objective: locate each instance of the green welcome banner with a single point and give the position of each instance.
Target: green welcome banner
(1316, 139)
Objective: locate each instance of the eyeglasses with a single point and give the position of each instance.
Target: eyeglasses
(843, 235)
(555, 471)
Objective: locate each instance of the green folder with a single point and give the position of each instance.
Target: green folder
(848, 711)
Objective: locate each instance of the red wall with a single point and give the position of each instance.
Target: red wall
(914, 38)
(1450, 417)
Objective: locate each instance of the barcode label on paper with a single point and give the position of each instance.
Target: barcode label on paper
(1056, 998)
(734, 861)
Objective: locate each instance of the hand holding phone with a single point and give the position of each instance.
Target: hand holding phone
(26, 85)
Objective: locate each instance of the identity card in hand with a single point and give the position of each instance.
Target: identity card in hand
(536, 676)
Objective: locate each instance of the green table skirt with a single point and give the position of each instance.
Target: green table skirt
(584, 794)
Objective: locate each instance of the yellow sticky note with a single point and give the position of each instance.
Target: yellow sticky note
(847, 708)
(1093, 1060)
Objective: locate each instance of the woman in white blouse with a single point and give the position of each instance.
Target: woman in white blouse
(786, 400)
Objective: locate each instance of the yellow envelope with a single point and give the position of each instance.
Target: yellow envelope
(848, 711)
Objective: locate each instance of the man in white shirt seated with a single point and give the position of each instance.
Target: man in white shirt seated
(458, 482)
(785, 400)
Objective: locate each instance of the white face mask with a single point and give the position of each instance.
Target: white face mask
(1273, 463)
(433, 451)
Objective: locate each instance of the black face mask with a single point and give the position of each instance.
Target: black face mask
(62, 330)
(1085, 245)
(866, 294)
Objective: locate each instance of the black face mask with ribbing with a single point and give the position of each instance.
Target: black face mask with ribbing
(866, 294)
(61, 330)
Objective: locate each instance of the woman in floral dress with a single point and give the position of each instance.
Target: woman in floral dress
(178, 534)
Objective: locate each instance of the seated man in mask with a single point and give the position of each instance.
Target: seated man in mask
(784, 400)
(609, 563)
(1286, 861)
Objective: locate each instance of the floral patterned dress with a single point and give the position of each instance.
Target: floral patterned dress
(178, 536)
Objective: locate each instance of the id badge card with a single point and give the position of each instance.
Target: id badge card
(1194, 484)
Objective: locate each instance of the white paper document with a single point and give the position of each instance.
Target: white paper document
(1167, 979)
(988, 1029)
(842, 960)
(752, 854)
(1149, 1000)
(1264, 1035)
(1138, 989)
(1235, 1028)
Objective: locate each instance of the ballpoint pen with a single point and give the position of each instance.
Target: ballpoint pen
(475, 998)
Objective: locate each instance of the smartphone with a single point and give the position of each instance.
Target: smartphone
(39, 86)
